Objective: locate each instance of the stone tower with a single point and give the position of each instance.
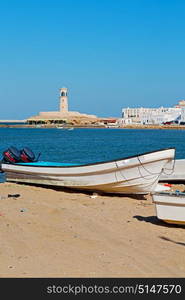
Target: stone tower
(63, 100)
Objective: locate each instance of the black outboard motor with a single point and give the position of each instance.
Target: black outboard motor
(11, 155)
(27, 155)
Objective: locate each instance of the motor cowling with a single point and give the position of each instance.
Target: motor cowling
(11, 155)
(27, 155)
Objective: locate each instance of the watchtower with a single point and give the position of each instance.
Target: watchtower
(63, 100)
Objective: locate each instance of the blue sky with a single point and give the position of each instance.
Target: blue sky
(109, 53)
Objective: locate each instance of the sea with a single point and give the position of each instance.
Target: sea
(89, 145)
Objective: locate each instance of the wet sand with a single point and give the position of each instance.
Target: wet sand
(54, 233)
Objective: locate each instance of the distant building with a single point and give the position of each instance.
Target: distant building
(181, 103)
(183, 115)
(63, 115)
(161, 115)
(109, 122)
(153, 116)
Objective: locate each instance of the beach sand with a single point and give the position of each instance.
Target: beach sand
(54, 233)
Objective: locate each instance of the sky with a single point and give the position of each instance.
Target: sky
(110, 54)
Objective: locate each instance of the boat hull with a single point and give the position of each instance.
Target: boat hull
(175, 171)
(134, 175)
(170, 207)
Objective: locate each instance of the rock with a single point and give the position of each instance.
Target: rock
(94, 195)
(23, 210)
(13, 195)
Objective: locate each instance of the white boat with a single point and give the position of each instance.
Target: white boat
(67, 128)
(132, 175)
(174, 171)
(170, 206)
(60, 127)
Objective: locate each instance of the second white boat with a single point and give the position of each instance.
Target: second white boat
(174, 171)
(170, 207)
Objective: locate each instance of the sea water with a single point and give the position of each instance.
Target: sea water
(91, 145)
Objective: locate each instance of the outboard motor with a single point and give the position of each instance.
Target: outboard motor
(27, 155)
(11, 155)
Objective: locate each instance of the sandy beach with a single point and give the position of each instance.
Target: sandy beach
(54, 233)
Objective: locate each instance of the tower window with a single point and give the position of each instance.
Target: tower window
(63, 94)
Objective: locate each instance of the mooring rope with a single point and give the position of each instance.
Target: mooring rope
(162, 171)
(157, 175)
(172, 170)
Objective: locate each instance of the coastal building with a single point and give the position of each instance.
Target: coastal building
(109, 122)
(161, 116)
(63, 115)
(183, 116)
(181, 104)
(152, 116)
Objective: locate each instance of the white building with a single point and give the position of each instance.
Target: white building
(151, 115)
(183, 115)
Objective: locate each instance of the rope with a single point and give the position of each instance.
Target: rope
(142, 165)
(145, 176)
(158, 174)
(120, 172)
(162, 171)
(172, 170)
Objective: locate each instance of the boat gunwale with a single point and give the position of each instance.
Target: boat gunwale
(169, 194)
(89, 164)
(163, 203)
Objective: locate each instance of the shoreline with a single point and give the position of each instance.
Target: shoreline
(55, 233)
(176, 127)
